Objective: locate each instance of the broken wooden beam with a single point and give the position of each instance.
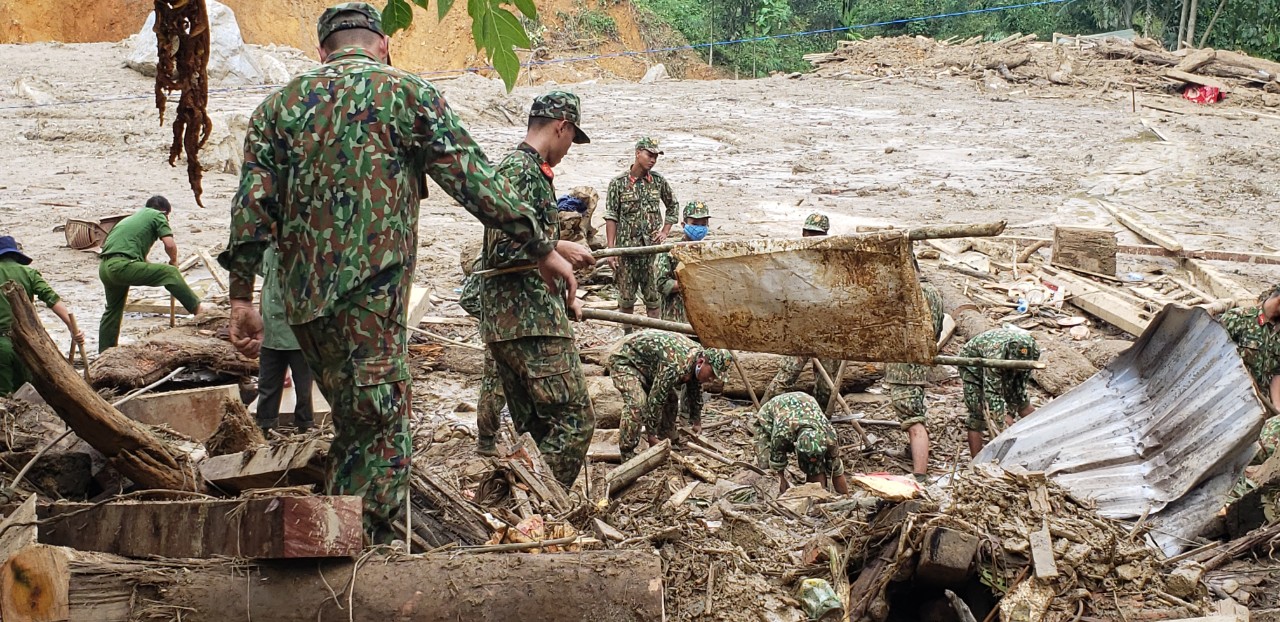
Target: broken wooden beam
(538, 476)
(1131, 222)
(128, 446)
(631, 470)
(58, 583)
(195, 413)
(1100, 301)
(286, 464)
(283, 527)
(1191, 78)
(1087, 248)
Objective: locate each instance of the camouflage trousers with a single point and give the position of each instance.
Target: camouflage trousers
(635, 394)
(489, 405)
(789, 374)
(906, 391)
(673, 308)
(977, 402)
(637, 273)
(1270, 438)
(547, 395)
(358, 357)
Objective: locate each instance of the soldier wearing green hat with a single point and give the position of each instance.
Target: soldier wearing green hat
(795, 423)
(524, 324)
(632, 218)
(335, 168)
(650, 368)
(696, 218)
(14, 267)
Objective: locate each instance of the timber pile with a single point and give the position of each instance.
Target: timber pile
(1084, 62)
(138, 365)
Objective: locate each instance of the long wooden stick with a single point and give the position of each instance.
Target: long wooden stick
(642, 321)
(442, 338)
(835, 394)
(173, 309)
(835, 390)
(84, 358)
(745, 380)
(993, 363)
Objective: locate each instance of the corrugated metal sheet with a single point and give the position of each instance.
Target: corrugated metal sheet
(846, 297)
(1166, 429)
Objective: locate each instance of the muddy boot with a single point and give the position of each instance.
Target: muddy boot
(487, 446)
(627, 329)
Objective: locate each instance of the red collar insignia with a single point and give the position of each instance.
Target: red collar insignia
(546, 170)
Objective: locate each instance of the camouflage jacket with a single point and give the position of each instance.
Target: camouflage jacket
(1259, 344)
(998, 384)
(664, 276)
(913, 373)
(665, 360)
(335, 165)
(633, 204)
(520, 305)
(778, 425)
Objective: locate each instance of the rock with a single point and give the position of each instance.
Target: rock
(34, 91)
(1184, 580)
(656, 73)
(273, 70)
(230, 63)
(1128, 572)
(606, 400)
(224, 152)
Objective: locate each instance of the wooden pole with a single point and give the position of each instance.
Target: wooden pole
(643, 321)
(84, 357)
(746, 382)
(173, 312)
(130, 447)
(835, 394)
(992, 363)
(938, 232)
(835, 389)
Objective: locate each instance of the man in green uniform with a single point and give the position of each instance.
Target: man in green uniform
(280, 354)
(997, 393)
(13, 267)
(1256, 333)
(649, 368)
(815, 225)
(124, 264)
(794, 422)
(632, 218)
(906, 383)
(335, 167)
(696, 217)
(526, 326)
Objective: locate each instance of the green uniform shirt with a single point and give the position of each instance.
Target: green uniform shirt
(633, 204)
(31, 281)
(134, 236)
(335, 166)
(1259, 344)
(520, 305)
(277, 335)
(665, 362)
(794, 423)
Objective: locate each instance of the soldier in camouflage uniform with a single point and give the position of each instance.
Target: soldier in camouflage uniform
(998, 393)
(649, 368)
(632, 218)
(815, 225)
(491, 400)
(696, 217)
(906, 391)
(335, 167)
(794, 422)
(525, 326)
(1256, 333)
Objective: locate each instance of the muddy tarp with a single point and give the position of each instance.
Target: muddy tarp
(845, 297)
(1165, 430)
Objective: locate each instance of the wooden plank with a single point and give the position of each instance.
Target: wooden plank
(419, 304)
(261, 528)
(1099, 301)
(320, 408)
(1042, 554)
(1130, 221)
(633, 469)
(539, 478)
(1192, 78)
(214, 269)
(160, 306)
(28, 600)
(18, 530)
(1092, 249)
(1220, 285)
(287, 464)
(196, 413)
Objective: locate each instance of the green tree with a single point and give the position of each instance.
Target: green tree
(497, 31)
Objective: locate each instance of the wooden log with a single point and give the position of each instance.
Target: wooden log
(259, 528)
(643, 321)
(1150, 57)
(1195, 60)
(938, 232)
(618, 479)
(760, 368)
(1266, 68)
(1191, 78)
(286, 464)
(57, 583)
(139, 364)
(18, 529)
(128, 446)
(1087, 248)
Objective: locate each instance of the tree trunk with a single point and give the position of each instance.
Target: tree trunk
(129, 447)
(760, 368)
(55, 583)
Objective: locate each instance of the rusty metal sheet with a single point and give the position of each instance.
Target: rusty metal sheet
(847, 297)
(1164, 431)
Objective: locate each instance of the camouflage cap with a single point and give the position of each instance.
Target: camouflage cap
(719, 360)
(648, 144)
(561, 105)
(817, 222)
(696, 209)
(812, 453)
(329, 22)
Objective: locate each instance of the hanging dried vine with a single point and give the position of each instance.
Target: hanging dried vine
(182, 37)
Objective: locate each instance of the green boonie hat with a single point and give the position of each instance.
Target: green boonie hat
(696, 209)
(817, 222)
(329, 24)
(648, 144)
(719, 360)
(812, 453)
(561, 105)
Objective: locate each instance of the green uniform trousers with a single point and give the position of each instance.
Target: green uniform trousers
(119, 273)
(359, 359)
(630, 382)
(12, 372)
(637, 273)
(547, 395)
(489, 405)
